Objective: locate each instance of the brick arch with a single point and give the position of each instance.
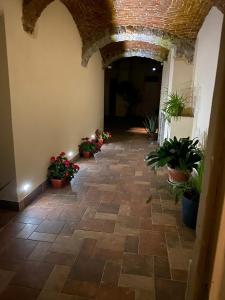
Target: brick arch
(185, 47)
(32, 10)
(168, 23)
(220, 4)
(117, 50)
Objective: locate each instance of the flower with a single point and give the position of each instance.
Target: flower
(61, 168)
(62, 154)
(76, 167)
(66, 163)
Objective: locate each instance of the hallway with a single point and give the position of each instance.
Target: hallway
(98, 239)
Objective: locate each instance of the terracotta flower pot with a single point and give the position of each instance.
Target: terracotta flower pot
(177, 176)
(57, 183)
(101, 141)
(87, 154)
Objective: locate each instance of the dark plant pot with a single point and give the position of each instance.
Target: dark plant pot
(177, 176)
(87, 154)
(153, 136)
(99, 144)
(189, 212)
(57, 183)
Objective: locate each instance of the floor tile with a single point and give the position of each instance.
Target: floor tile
(90, 270)
(26, 231)
(50, 227)
(152, 243)
(19, 292)
(137, 282)
(111, 274)
(161, 267)
(32, 275)
(44, 237)
(169, 289)
(80, 288)
(57, 278)
(131, 244)
(119, 293)
(5, 278)
(137, 265)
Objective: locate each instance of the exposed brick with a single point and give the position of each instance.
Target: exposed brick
(171, 23)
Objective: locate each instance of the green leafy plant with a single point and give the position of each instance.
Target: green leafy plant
(174, 106)
(151, 124)
(102, 135)
(88, 146)
(106, 135)
(61, 168)
(192, 188)
(182, 154)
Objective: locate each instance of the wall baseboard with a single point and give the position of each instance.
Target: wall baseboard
(18, 206)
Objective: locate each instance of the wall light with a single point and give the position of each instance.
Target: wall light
(70, 154)
(26, 187)
(93, 136)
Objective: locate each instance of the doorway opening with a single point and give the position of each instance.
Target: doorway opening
(132, 92)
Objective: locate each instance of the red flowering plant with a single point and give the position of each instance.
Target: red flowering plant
(98, 134)
(106, 135)
(61, 168)
(88, 145)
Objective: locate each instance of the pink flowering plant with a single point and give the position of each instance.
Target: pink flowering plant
(102, 135)
(61, 168)
(106, 135)
(89, 145)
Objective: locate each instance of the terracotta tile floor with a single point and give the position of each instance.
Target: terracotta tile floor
(98, 239)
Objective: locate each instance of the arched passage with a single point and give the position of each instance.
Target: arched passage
(132, 89)
(116, 50)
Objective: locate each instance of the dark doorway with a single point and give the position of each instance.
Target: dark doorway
(132, 91)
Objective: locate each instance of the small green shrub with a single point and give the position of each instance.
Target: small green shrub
(151, 124)
(174, 107)
(182, 154)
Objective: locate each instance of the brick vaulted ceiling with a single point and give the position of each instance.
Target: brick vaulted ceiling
(147, 28)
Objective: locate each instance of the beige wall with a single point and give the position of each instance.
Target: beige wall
(7, 163)
(206, 59)
(54, 100)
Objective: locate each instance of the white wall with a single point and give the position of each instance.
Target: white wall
(206, 59)
(177, 77)
(183, 79)
(54, 101)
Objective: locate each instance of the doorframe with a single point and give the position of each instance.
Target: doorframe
(213, 193)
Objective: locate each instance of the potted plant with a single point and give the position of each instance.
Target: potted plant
(174, 106)
(189, 193)
(151, 127)
(180, 157)
(88, 148)
(61, 170)
(106, 135)
(99, 137)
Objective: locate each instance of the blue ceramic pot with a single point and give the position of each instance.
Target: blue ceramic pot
(189, 212)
